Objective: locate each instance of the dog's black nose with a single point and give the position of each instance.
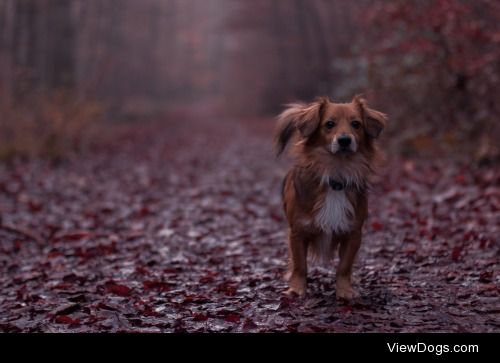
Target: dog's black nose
(344, 141)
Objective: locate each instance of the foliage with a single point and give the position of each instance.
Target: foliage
(50, 126)
(434, 65)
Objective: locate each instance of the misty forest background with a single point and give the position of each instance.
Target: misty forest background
(433, 66)
(139, 191)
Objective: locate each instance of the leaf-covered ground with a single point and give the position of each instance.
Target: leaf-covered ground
(180, 228)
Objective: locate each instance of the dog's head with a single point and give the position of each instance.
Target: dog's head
(340, 129)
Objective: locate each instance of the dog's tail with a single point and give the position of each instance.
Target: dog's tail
(322, 250)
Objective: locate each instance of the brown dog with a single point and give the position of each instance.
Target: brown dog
(325, 193)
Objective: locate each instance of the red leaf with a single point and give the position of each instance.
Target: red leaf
(347, 309)
(226, 288)
(488, 287)
(74, 236)
(65, 319)
(455, 254)
(200, 317)
(55, 254)
(157, 285)
(460, 179)
(63, 286)
(486, 276)
(148, 311)
(377, 226)
(409, 250)
(249, 325)
(143, 212)
(35, 206)
(120, 290)
(233, 318)
(141, 270)
(208, 278)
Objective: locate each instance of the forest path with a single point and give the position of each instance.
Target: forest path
(180, 228)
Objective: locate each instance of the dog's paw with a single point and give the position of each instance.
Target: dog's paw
(297, 286)
(346, 293)
(295, 293)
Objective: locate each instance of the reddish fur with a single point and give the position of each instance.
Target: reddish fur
(304, 192)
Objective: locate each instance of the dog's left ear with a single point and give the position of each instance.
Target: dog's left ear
(375, 121)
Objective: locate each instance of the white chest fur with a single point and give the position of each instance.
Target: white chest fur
(336, 213)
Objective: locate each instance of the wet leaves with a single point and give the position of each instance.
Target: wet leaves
(117, 289)
(64, 319)
(177, 231)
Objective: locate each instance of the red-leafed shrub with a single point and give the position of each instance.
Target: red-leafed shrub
(434, 66)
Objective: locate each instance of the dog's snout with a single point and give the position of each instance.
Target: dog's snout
(344, 140)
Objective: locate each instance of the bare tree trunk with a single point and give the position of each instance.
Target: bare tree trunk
(281, 76)
(323, 61)
(7, 9)
(24, 49)
(61, 45)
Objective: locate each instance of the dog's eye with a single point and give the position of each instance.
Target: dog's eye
(356, 124)
(330, 124)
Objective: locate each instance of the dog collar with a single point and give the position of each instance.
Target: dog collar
(336, 185)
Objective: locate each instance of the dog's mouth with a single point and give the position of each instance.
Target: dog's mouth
(345, 151)
(338, 150)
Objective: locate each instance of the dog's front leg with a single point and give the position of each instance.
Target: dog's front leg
(347, 253)
(297, 273)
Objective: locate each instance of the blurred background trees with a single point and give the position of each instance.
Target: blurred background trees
(433, 66)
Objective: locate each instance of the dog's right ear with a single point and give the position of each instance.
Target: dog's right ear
(301, 117)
